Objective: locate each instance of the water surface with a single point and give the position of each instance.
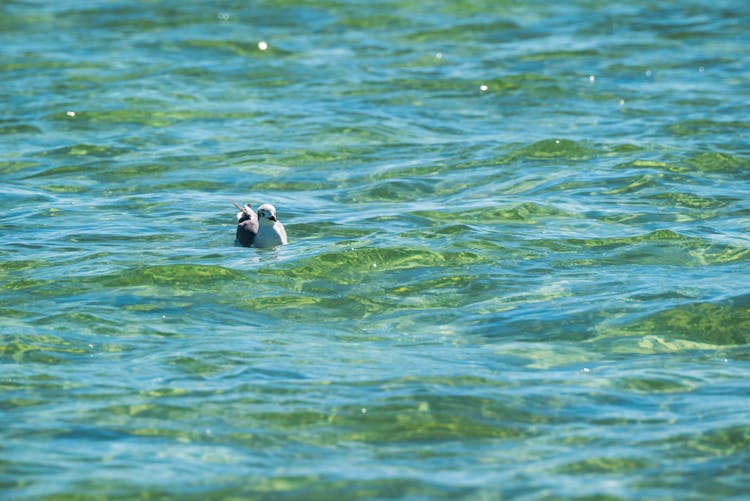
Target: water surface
(518, 268)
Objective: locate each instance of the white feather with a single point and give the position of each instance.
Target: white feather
(270, 233)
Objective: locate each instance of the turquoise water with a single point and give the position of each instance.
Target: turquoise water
(519, 262)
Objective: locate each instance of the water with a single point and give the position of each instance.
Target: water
(518, 264)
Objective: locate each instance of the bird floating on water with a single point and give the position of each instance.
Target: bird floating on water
(259, 230)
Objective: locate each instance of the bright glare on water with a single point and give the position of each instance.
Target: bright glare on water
(519, 259)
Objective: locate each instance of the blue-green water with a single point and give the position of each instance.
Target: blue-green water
(519, 262)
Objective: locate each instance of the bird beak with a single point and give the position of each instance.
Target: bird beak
(272, 218)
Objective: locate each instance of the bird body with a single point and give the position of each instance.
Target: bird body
(259, 230)
(247, 226)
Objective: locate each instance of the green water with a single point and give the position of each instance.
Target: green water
(518, 263)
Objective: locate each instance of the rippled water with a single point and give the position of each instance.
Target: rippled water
(519, 258)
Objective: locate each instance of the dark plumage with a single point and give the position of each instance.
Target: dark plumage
(247, 226)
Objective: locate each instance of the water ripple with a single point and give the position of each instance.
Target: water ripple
(518, 258)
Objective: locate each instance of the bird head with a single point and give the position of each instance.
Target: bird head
(267, 212)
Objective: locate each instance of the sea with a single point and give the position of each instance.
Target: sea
(518, 267)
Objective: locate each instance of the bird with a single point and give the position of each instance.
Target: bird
(247, 226)
(270, 230)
